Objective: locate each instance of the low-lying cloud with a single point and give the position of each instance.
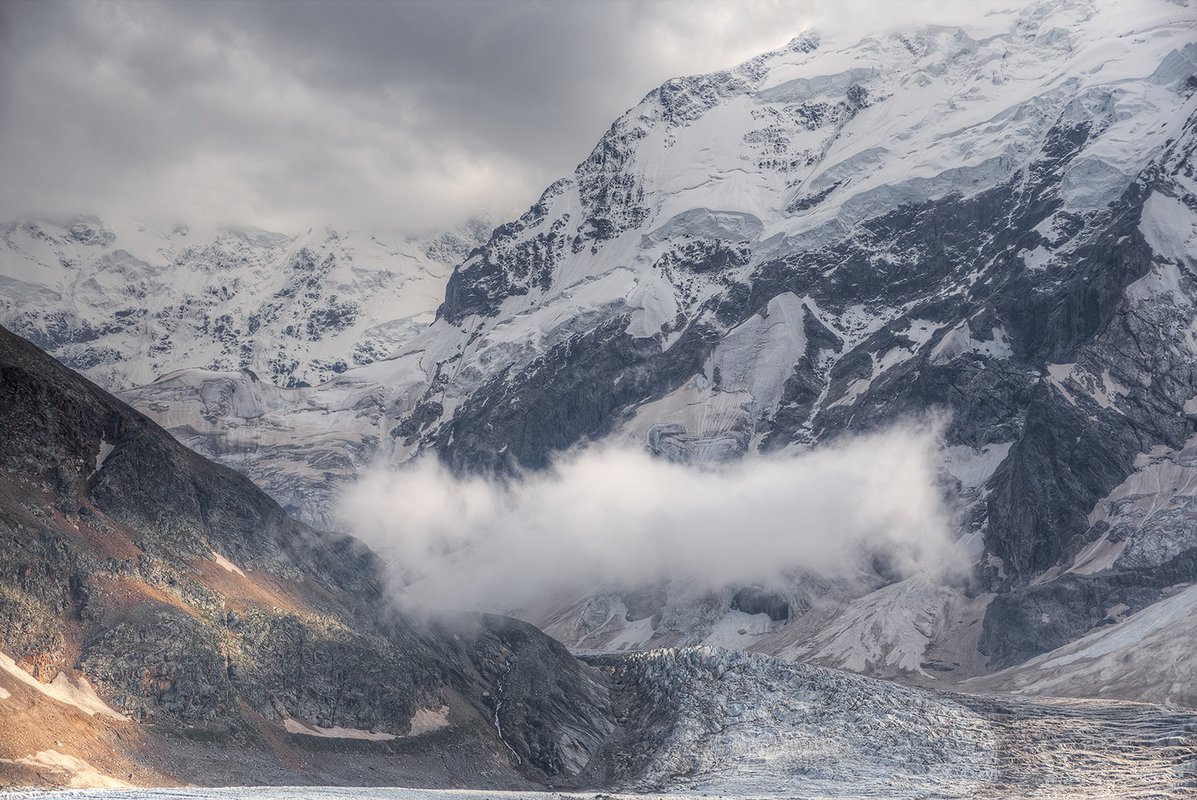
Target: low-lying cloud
(610, 515)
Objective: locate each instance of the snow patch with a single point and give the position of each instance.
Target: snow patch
(632, 635)
(335, 732)
(425, 720)
(81, 696)
(737, 630)
(224, 562)
(79, 773)
(102, 456)
(1073, 382)
(960, 340)
(759, 355)
(1037, 258)
(1170, 227)
(973, 467)
(889, 629)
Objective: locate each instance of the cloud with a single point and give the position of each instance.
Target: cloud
(610, 515)
(371, 114)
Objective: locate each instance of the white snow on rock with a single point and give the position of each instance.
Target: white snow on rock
(738, 631)
(758, 356)
(1150, 518)
(226, 564)
(125, 303)
(102, 456)
(81, 695)
(1170, 227)
(335, 732)
(70, 770)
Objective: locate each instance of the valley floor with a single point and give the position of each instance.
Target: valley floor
(737, 725)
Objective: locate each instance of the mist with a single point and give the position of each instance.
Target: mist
(611, 515)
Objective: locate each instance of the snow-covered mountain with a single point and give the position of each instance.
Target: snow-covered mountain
(997, 220)
(125, 303)
(196, 635)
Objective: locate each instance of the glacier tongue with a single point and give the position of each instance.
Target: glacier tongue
(738, 724)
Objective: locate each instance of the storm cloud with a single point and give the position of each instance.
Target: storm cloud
(402, 115)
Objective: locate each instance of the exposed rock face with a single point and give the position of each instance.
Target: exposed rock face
(189, 599)
(755, 600)
(576, 390)
(535, 699)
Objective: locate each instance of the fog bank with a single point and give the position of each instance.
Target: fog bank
(609, 515)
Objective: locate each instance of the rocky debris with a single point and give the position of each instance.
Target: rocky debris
(162, 665)
(30, 632)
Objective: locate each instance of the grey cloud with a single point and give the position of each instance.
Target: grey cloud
(397, 114)
(285, 114)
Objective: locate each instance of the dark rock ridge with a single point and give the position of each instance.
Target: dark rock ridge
(112, 541)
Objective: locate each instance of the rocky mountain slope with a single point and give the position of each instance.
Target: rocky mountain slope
(994, 221)
(158, 612)
(124, 303)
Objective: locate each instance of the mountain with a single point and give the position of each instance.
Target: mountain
(158, 613)
(162, 622)
(124, 303)
(993, 222)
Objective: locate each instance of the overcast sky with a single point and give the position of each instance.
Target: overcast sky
(278, 114)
